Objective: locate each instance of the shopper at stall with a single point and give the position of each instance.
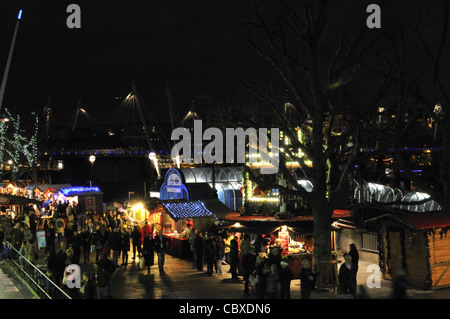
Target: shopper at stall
(248, 259)
(234, 257)
(198, 246)
(220, 248)
(272, 277)
(148, 252)
(191, 239)
(260, 283)
(160, 243)
(147, 229)
(286, 277)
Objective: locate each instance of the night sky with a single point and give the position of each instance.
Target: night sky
(188, 45)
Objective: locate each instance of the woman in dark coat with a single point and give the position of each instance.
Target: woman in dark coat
(148, 251)
(347, 277)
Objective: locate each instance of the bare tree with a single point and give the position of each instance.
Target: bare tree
(327, 58)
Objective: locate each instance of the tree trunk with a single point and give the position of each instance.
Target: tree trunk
(326, 277)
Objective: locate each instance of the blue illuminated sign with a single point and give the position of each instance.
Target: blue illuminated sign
(78, 189)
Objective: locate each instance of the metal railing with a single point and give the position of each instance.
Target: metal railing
(40, 283)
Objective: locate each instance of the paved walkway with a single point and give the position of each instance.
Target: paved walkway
(11, 287)
(180, 281)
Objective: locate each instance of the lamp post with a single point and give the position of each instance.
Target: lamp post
(8, 63)
(154, 159)
(92, 160)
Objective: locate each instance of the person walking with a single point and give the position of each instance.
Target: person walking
(347, 277)
(148, 252)
(115, 242)
(160, 243)
(50, 237)
(98, 241)
(102, 279)
(31, 251)
(60, 262)
(136, 238)
(85, 238)
(87, 289)
(307, 281)
(59, 227)
(220, 253)
(125, 245)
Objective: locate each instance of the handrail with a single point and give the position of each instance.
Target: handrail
(36, 269)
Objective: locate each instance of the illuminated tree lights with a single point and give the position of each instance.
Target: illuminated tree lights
(187, 209)
(14, 143)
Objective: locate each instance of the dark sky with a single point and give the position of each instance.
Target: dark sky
(186, 44)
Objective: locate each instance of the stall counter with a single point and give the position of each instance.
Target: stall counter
(178, 247)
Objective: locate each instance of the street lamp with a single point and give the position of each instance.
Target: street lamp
(154, 159)
(92, 160)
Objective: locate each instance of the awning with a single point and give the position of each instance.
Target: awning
(194, 209)
(418, 221)
(8, 200)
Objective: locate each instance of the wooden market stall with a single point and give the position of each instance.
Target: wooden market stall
(172, 217)
(295, 234)
(14, 205)
(416, 244)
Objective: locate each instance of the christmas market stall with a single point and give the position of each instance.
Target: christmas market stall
(295, 234)
(14, 205)
(87, 198)
(417, 245)
(176, 219)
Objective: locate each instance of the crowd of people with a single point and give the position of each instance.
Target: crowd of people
(257, 260)
(72, 236)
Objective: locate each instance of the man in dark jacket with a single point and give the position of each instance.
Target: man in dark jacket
(160, 243)
(210, 249)
(115, 241)
(198, 246)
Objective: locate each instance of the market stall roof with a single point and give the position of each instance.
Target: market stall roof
(9, 200)
(418, 221)
(193, 209)
(338, 213)
(81, 191)
(54, 187)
